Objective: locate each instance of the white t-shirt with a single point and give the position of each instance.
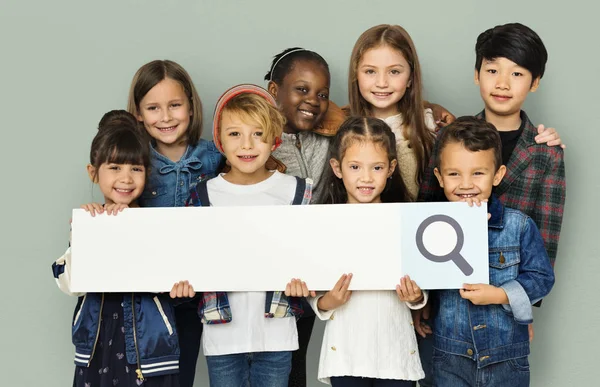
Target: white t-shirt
(249, 330)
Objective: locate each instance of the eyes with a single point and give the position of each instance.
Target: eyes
(392, 72)
(453, 174)
(256, 133)
(119, 167)
(305, 90)
(172, 106)
(514, 73)
(356, 167)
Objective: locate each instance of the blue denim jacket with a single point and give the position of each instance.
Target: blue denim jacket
(520, 265)
(169, 183)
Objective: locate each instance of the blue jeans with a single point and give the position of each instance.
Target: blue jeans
(352, 381)
(256, 369)
(457, 371)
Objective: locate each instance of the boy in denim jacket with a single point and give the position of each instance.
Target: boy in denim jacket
(481, 334)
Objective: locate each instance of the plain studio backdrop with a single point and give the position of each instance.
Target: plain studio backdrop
(65, 63)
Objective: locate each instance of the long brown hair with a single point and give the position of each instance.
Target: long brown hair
(411, 107)
(150, 74)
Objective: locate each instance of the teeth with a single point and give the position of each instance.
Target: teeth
(307, 113)
(166, 129)
(123, 190)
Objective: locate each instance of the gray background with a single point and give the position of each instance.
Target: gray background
(65, 63)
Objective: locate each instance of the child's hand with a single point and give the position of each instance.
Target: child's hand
(409, 291)
(548, 136)
(530, 331)
(93, 208)
(337, 296)
(297, 288)
(422, 328)
(482, 294)
(473, 201)
(113, 209)
(441, 116)
(182, 289)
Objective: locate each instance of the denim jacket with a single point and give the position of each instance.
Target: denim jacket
(519, 265)
(169, 182)
(151, 341)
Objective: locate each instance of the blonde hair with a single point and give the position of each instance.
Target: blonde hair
(253, 108)
(411, 106)
(150, 74)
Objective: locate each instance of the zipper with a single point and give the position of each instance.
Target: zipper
(98, 331)
(137, 352)
(163, 315)
(298, 143)
(79, 311)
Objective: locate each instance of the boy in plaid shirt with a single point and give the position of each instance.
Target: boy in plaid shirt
(510, 62)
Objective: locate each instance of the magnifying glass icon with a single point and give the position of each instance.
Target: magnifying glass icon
(454, 255)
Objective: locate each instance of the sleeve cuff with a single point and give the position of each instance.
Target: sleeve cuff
(421, 304)
(519, 303)
(321, 314)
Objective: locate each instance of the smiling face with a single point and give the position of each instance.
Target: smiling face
(303, 96)
(244, 149)
(364, 170)
(119, 183)
(504, 86)
(464, 174)
(165, 111)
(383, 76)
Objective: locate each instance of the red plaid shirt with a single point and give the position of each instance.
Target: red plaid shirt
(534, 184)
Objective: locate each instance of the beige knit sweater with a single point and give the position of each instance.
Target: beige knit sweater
(407, 161)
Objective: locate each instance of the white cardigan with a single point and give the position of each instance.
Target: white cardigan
(372, 336)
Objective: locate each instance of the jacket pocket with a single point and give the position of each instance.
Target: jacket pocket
(504, 266)
(163, 315)
(78, 314)
(153, 195)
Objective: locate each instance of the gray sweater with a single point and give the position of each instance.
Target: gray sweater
(305, 155)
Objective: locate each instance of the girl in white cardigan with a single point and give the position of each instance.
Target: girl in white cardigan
(369, 337)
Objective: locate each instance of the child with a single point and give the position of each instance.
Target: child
(299, 81)
(481, 334)
(109, 348)
(510, 63)
(164, 99)
(249, 336)
(369, 339)
(385, 82)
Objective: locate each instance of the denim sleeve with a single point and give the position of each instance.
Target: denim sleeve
(535, 278)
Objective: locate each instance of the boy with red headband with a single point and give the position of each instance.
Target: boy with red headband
(249, 336)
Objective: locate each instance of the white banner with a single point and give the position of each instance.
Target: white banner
(440, 245)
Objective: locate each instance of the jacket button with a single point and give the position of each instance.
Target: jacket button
(154, 193)
(331, 318)
(333, 348)
(502, 260)
(470, 352)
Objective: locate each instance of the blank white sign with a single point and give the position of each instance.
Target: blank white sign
(262, 248)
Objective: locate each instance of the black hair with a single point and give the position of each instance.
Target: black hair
(363, 129)
(119, 141)
(474, 134)
(515, 42)
(282, 64)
